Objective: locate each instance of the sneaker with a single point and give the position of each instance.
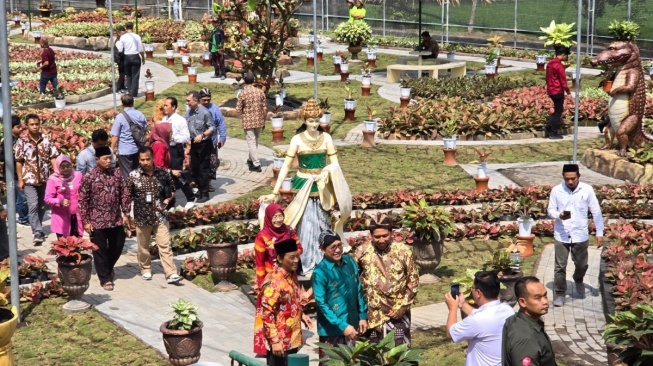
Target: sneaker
(222, 77)
(203, 199)
(255, 169)
(250, 163)
(558, 301)
(555, 137)
(214, 76)
(195, 191)
(189, 205)
(147, 276)
(23, 223)
(211, 189)
(38, 240)
(174, 278)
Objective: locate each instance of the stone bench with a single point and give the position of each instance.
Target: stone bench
(458, 70)
(404, 60)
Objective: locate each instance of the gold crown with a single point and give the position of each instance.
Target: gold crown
(311, 109)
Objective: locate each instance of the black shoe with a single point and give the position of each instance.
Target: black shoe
(250, 163)
(214, 76)
(255, 169)
(202, 199)
(555, 136)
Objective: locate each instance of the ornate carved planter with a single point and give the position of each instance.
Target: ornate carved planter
(183, 346)
(354, 50)
(222, 258)
(8, 324)
(74, 280)
(508, 294)
(428, 254)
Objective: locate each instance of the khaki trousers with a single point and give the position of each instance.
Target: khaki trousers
(162, 238)
(251, 136)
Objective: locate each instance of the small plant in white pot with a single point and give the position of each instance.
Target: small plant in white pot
(282, 88)
(448, 133)
(60, 97)
(371, 123)
(147, 45)
(182, 336)
(279, 157)
(170, 52)
(350, 102)
(491, 63)
(404, 88)
(344, 65)
(367, 75)
(326, 115)
(525, 220)
(277, 118)
(149, 83)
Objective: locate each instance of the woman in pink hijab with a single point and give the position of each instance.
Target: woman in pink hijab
(62, 193)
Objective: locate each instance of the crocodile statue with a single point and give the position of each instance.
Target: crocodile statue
(627, 96)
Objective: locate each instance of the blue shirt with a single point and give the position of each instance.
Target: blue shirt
(86, 160)
(339, 296)
(126, 144)
(220, 124)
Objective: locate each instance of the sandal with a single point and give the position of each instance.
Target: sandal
(108, 286)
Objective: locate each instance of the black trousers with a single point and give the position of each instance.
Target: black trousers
(555, 120)
(110, 243)
(217, 60)
(200, 165)
(177, 163)
(127, 163)
(132, 73)
(120, 83)
(273, 360)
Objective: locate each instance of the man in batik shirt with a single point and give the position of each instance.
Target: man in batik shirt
(279, 307)
(390, 280)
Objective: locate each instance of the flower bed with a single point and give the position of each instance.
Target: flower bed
(469, 89)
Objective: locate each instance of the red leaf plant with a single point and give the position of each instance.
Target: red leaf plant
(70, 249)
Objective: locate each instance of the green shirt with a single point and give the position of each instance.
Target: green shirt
(524, 337)
(358, 12)
(338, 295)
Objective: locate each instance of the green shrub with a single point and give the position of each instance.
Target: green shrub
(470, 89)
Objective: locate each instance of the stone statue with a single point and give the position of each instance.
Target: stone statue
(318, 185)
(627, 96)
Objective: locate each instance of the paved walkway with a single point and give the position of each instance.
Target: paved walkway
(141, 307)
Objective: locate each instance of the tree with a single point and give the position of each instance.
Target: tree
(259, 37)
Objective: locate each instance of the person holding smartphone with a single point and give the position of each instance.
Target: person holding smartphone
(569, 203)
(483, 326)
(341, 303)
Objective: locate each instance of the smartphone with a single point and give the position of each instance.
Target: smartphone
(566, 213)
(455, 290)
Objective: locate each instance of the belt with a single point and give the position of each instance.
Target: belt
(310, 171)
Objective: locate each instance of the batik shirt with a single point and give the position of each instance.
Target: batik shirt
(36, 157)
(252, 104)
(103, 198)
(279, 311)
(390, 279)
(265, 257)
(140, 185)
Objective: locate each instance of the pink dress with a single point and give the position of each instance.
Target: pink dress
(55, 192)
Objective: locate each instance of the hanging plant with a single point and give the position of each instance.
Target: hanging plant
(623, 30)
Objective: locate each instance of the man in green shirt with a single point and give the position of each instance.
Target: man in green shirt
(216, 47)
(341, 304)
(356, 13)
(525, 343)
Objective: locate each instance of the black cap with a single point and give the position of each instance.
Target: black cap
(102, 151)
(285, 246)
(570, 168)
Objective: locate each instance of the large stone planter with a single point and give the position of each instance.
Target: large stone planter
(354, 50)
(8, 323)
(607, 162)
(507, 294)
(428, 254)
(183, 346)
(74, 280)
(222, 259)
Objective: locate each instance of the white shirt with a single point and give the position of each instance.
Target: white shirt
(482, 330)
(578, 203)
(180, 133)
(130, 43)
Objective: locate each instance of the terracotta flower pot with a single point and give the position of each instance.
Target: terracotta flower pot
(222, 259)
(607, 86)
(74, 281)
(449, 157)
(183, 346)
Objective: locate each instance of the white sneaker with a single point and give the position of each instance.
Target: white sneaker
(147, 276)
(174, 278)
(189, 205)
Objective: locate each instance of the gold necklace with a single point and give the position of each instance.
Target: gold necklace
(314, 145)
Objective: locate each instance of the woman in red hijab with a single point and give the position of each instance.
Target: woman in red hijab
(160, 144)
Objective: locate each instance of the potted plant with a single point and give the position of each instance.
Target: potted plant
(279, 157)
(558, 35)
(320, 50)
(353, 33)
(149, 83)
(337, 60)
(277, 118)
(59, 97)
(344, 68)
(451, 50)
(496, 42)
(182, 336)
(491, 64)
(630, 333)
(607, 77)
(623, 30)
(45, 7)
(371, 54)
(192, 71)
(404, 87)
(370, 122)
(17, 17)
(181, 45)
(649, 66)
(170, 53)
(326, 115)
(367, 353)
(8, 318)
(525, 220)
(502, 265)
(37, 267)
(448, 132)
(148, 46)
(293, 27)
(222, 250)
(350, 102)
(74, 269)
(366, 71)
(429, 225)
(37, 36)
(310, 55)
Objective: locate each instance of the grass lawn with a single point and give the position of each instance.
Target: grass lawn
(177, 66)
(243, 276)
(53, 337)
(326, 66)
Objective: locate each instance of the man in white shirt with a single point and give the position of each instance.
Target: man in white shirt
(482, 328)
(132, 47)
(568, 205)
(179, 137)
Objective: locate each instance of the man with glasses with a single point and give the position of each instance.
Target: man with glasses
(341, 304)
(218, 138)
(483, 326)
(201, 127)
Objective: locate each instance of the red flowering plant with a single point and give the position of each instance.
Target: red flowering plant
(71, 249)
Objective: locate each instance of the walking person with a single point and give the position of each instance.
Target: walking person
(86, 158)
(160, 144)
(219, 135)
(104, 207)
(252, 105)
(569, 204)
(62, 194)
(34, 154)
(180, 136)
(339, 296)
(21, 202)
(482, 328)
(48, 67)
(279, 307)
(200, 127)
(119, 59)
(556, 88)
(128, 134)
(151, 190)
(132, 47)
(524, 340)
(216, 47)
(390, 279)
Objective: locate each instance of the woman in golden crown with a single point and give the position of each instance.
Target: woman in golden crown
(318, 186)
